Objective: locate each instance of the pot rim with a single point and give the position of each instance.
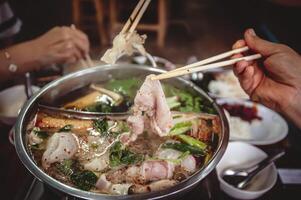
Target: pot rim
(185, 185)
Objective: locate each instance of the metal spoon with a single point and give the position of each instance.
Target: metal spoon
(28, 85)
(241, 177)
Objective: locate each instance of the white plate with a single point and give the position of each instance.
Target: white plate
(240, 154)
(11, 101)
(271, 129)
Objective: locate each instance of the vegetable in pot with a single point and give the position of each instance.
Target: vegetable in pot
(180, 128)
(127, 87)
(119, 155)
(184, 148)
(193, 142)
(66, 167)
(101, 126)
(188, 102)
(84, 180)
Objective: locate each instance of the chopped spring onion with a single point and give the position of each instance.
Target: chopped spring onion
(193, 142)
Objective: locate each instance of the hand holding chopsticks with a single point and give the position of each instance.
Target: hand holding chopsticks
(204, 64)
(87, 61)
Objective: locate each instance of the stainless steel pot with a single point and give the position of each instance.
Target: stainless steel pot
(64, 85)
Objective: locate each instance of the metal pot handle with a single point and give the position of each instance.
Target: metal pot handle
(11, 134)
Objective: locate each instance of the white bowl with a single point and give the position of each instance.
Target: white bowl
(240, 154)
(11, 101)
(270, 129)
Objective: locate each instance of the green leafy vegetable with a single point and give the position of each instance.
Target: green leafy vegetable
(101, 126)
(84, 180)
(127, 87)
(180, 128)
(39, 133)
(184, 148)
(193, 142)
(188, 101)
(66, 167)
(120, 155)
(66, 128)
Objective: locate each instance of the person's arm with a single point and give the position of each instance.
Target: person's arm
(59, 45)
(21, 55)
(274, 82)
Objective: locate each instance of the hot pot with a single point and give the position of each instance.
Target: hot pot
(60, 87)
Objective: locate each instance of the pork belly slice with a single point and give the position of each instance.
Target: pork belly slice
(150, 106)
(60, 146)
(152, 170)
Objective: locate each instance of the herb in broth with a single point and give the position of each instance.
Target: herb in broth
(120, 155)
(101, 126)
(66, 167)
(84, 180)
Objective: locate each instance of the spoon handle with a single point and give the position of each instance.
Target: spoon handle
(260, 166)
(28, 86)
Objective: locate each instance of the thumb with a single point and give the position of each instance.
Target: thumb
(259, 45)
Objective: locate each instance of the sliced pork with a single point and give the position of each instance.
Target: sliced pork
(150, 107)
(98, 164)
(124, 43)
(151, 170)
(59, 147)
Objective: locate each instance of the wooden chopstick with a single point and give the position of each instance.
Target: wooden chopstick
(133, 16)
(182, 72)
(139, 16)
(214, 58)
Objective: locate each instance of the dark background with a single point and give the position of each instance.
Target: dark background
(213, 24)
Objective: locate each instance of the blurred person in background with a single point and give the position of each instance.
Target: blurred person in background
(274, 82)
(60, 45)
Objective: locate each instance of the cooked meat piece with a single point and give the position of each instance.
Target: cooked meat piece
(151, 107)
(59, 147)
